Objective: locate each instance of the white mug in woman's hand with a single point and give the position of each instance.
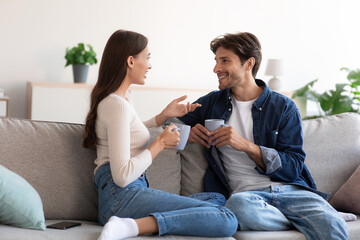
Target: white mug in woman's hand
(184, 131)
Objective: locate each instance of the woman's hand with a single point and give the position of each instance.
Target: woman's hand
(175, 109)
(169, 137)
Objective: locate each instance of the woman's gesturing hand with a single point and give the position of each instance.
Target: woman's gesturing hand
(176, 109)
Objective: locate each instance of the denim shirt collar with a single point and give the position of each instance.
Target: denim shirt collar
(228, 95)
(260, 102)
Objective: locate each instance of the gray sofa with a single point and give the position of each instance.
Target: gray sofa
(50, 157)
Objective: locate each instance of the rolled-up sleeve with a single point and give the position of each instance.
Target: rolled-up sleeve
(271, 159)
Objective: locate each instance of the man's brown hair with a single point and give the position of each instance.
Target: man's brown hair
(245, 45)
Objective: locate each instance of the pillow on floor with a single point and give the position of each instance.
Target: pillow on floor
(347, 197)
(20, 204)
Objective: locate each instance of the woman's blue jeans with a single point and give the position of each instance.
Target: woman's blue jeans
(199, 215)
(283, 207)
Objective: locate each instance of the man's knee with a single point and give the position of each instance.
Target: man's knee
(337, 222)
(241, 203)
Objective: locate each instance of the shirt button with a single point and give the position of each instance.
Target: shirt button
(260, 109)
(229, 109)
(276, 133)
(229, 97)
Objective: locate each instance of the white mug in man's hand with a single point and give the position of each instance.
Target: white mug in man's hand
(213, 124)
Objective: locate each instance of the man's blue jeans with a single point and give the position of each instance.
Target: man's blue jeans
(202, 215)
(283, 207)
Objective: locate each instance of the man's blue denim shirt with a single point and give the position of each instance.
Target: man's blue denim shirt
(277, 130)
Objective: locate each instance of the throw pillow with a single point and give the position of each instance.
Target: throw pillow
(164, 172)
(20, 204)
(193, 168)
(347, 197)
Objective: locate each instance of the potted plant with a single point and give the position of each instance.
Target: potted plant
(80, 59)
(344, 98)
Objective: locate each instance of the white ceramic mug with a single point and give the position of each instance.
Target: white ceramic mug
(184, 131)
(213, 124)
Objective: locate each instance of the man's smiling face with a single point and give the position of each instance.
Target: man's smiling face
(229, 69)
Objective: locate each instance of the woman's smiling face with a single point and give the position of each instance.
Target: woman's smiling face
(141, 66)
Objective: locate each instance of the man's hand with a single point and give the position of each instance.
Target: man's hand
(229, 136)
(199, 134)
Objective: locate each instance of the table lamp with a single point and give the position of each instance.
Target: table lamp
(275, 68)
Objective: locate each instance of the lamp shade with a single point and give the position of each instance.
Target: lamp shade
(275, 67)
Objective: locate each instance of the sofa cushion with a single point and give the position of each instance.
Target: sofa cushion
(51, 158)
(347, 197)
(332, 146)
(353, 228)
(20, 204)
(269, 235)
(193, 167)
(87, 231)
(164, 172)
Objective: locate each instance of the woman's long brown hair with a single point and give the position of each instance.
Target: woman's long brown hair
(113, 67)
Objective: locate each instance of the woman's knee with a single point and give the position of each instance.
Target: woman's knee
(210, 197)
(229, 225)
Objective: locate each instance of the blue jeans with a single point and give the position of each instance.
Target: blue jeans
(200, 215)
(283, 207)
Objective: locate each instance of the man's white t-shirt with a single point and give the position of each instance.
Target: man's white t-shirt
(239, 168)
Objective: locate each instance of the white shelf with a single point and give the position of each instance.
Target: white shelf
(70, 102)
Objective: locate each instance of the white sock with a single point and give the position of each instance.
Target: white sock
(119, 228)
(348, 216)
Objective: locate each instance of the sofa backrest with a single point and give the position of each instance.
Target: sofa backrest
(50, 157)
(332, 146)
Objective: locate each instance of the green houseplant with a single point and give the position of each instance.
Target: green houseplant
(344, 98)
(80, 58)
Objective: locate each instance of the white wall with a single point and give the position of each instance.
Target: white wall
(315, 38)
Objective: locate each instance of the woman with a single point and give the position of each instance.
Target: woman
(127, 206)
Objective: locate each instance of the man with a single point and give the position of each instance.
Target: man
(257, 159)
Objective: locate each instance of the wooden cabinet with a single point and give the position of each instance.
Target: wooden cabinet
(59, 102)
(4, 106)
